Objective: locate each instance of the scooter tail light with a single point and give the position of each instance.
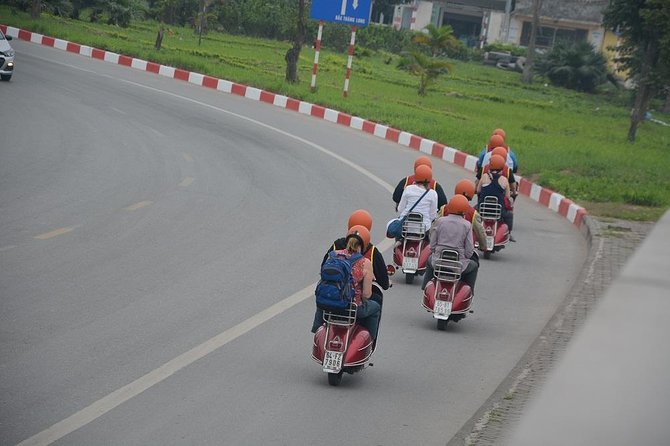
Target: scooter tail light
(335, 343)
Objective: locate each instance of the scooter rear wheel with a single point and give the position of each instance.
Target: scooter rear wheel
(487, 254)
(334, 379)
(442, 324)
(409, 278)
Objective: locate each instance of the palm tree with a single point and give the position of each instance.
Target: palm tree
(437, 39)
(426, 68)
(574, 66)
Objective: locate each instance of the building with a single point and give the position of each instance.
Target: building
(477, 22)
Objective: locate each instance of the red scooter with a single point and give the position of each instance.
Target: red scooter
(342, 345)
(497, 232)
(411, 254)
(446, 296)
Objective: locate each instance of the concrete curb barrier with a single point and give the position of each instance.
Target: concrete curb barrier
(546, 197)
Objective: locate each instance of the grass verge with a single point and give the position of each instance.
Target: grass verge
(569, 142)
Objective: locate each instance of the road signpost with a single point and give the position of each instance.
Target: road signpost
(349, 12)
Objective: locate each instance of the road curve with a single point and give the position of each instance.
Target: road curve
(158, 242)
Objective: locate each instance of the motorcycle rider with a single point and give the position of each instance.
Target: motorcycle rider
(402, 184)
(467, 188)
(413, 193)
(454, 232)
(507, 171)
(494, 183)
(361, 217)
(500, 143)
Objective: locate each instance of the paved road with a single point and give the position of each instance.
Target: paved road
(158, 245)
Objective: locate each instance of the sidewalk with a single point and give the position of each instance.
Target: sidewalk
(612, 242)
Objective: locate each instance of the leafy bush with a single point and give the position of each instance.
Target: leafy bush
(575, 66)
(505, 48)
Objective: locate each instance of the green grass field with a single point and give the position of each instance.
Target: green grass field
(569, 142)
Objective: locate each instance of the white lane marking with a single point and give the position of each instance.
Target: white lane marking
(7, 248)
(322, 149)
(188, 157)
(139, 205)
(54, 233)
(119, 111)
(187, 181)
(119, 396)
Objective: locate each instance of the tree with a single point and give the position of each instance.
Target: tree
(293, 54)
(36, 8)
(644, 30)
(529, 65)
(426, 68)
(575, 66)
(437, 39)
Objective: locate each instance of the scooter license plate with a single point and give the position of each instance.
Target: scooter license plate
(410, 263)
(442, 308)
(489, 243)
(332, 362)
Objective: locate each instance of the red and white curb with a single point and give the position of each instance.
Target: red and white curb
(548, 198)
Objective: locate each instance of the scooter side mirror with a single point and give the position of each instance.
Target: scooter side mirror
(390, 269)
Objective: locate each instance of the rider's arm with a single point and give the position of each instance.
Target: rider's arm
(379, 270)
(367, 279)
(478, 229)
(506, 186)
(397, 193)
(469, 245)
(441, 196)
(403, 203)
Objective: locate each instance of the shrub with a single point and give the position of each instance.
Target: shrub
(575, 66)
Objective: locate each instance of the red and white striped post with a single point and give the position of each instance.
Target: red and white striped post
(349, 60)
(317, 48)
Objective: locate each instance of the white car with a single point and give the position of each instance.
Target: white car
(6, 58)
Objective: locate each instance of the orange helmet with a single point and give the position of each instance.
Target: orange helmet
(423, 161)
(500, 132)
(360, 232)
(423, 174)
(466, 188)
(360, 217)
(497, 162)
(458, 205)
(496, 141)
(500, 151)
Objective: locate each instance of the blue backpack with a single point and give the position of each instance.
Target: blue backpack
(335, 290)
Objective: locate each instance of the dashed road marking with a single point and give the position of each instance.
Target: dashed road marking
(188, 157)
(54, 233)
(187, 181)
(140, 205)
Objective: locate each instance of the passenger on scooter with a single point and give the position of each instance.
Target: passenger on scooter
(364, 218)
(360, 217)
(368, 311)
(454, 232)
(467, 188)
(413, 193)
(420, 161)
(493, 183)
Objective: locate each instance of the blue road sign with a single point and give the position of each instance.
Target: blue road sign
(349, 12)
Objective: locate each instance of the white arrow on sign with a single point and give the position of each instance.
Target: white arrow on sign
(355, 4)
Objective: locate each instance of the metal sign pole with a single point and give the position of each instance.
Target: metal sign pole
(349, 60)
(317, 48)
